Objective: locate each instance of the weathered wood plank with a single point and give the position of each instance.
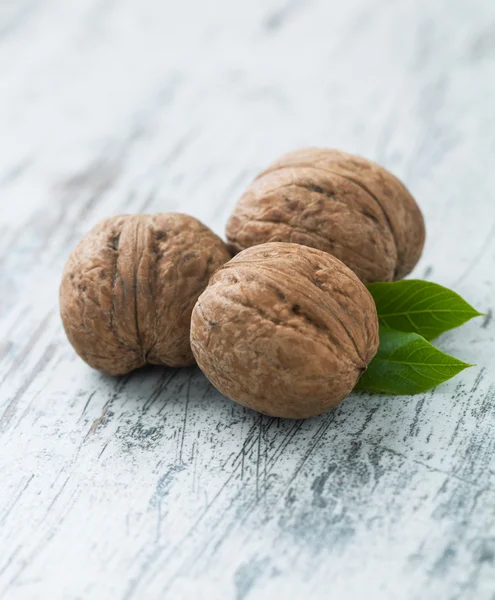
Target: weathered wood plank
(154, 485)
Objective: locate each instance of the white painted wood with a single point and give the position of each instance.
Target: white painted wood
(153, 485)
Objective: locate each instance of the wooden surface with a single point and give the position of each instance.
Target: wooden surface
(153, 485)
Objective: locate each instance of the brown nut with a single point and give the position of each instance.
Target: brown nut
(336, 202)
(129, 287)
(284, 329)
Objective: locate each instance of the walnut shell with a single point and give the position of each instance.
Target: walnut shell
(129, 287)
(336, 202)
(284, 329)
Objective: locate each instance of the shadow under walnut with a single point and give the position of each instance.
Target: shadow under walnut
(129, 287)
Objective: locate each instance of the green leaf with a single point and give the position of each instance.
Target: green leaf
(407, 364)
(419, 306)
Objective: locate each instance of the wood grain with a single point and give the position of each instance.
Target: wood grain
(153, 485)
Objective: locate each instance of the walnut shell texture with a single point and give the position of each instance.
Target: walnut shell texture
(336, 202)
(129, 287)
(284, 329)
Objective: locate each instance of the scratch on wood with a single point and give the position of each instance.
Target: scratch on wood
(103, 449)
(99, 420)
(16, 500)
(57, 495)
(184, 422)
(90, 397)
(487, 319)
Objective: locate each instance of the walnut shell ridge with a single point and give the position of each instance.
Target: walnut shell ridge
(284, 329)
(336, 202)
(129, 287)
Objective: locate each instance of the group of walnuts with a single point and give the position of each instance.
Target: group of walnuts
(286, 327)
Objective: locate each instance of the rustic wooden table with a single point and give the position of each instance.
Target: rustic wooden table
(154, 485)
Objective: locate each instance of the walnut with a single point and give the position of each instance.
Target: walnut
(284, 329)
(129, 287)
(336, 202)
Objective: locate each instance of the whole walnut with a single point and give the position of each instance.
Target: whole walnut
(129, 287)
(284, 329)
(336, 202)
